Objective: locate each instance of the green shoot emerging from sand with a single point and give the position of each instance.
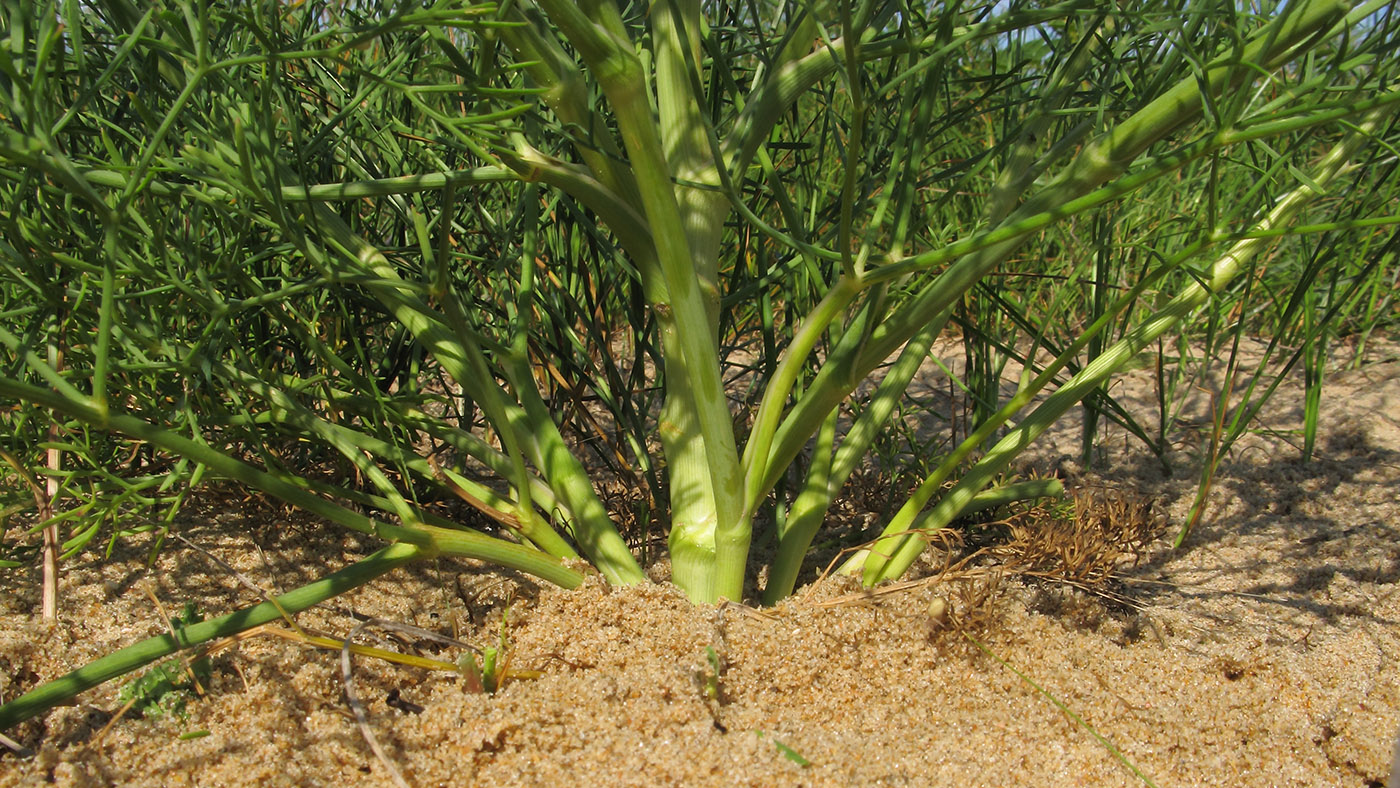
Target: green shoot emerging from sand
(518, 283)
(167, 687)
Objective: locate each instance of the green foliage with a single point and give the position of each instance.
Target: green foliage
(166, 689)
(163, 690)
(498, 281)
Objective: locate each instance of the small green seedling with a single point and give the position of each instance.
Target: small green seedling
(481, 670)
(788, 752)
(166, 688)
(711, 678)
(488, 669)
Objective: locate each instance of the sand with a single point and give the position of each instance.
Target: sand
(1263, 653)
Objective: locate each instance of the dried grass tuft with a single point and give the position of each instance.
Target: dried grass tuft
(1082, 543)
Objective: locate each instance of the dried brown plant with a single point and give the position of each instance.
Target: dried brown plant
(1083, 547)
(1080, 543)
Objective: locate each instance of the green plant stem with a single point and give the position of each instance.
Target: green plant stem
(121, 662)
(804, 519)
(893, 556)
(620, 75)
(327, 192)
(1068, 712)
(355, 445)
(828, 473)
(759, 476)
(459, 354)
(1075, 190)
(432, 539)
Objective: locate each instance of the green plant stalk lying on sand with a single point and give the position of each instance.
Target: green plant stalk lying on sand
(294, 185)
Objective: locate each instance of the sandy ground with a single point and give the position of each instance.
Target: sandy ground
(1263, 653)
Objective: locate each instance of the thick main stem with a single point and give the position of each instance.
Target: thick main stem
(708, 554)
(680, 229)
